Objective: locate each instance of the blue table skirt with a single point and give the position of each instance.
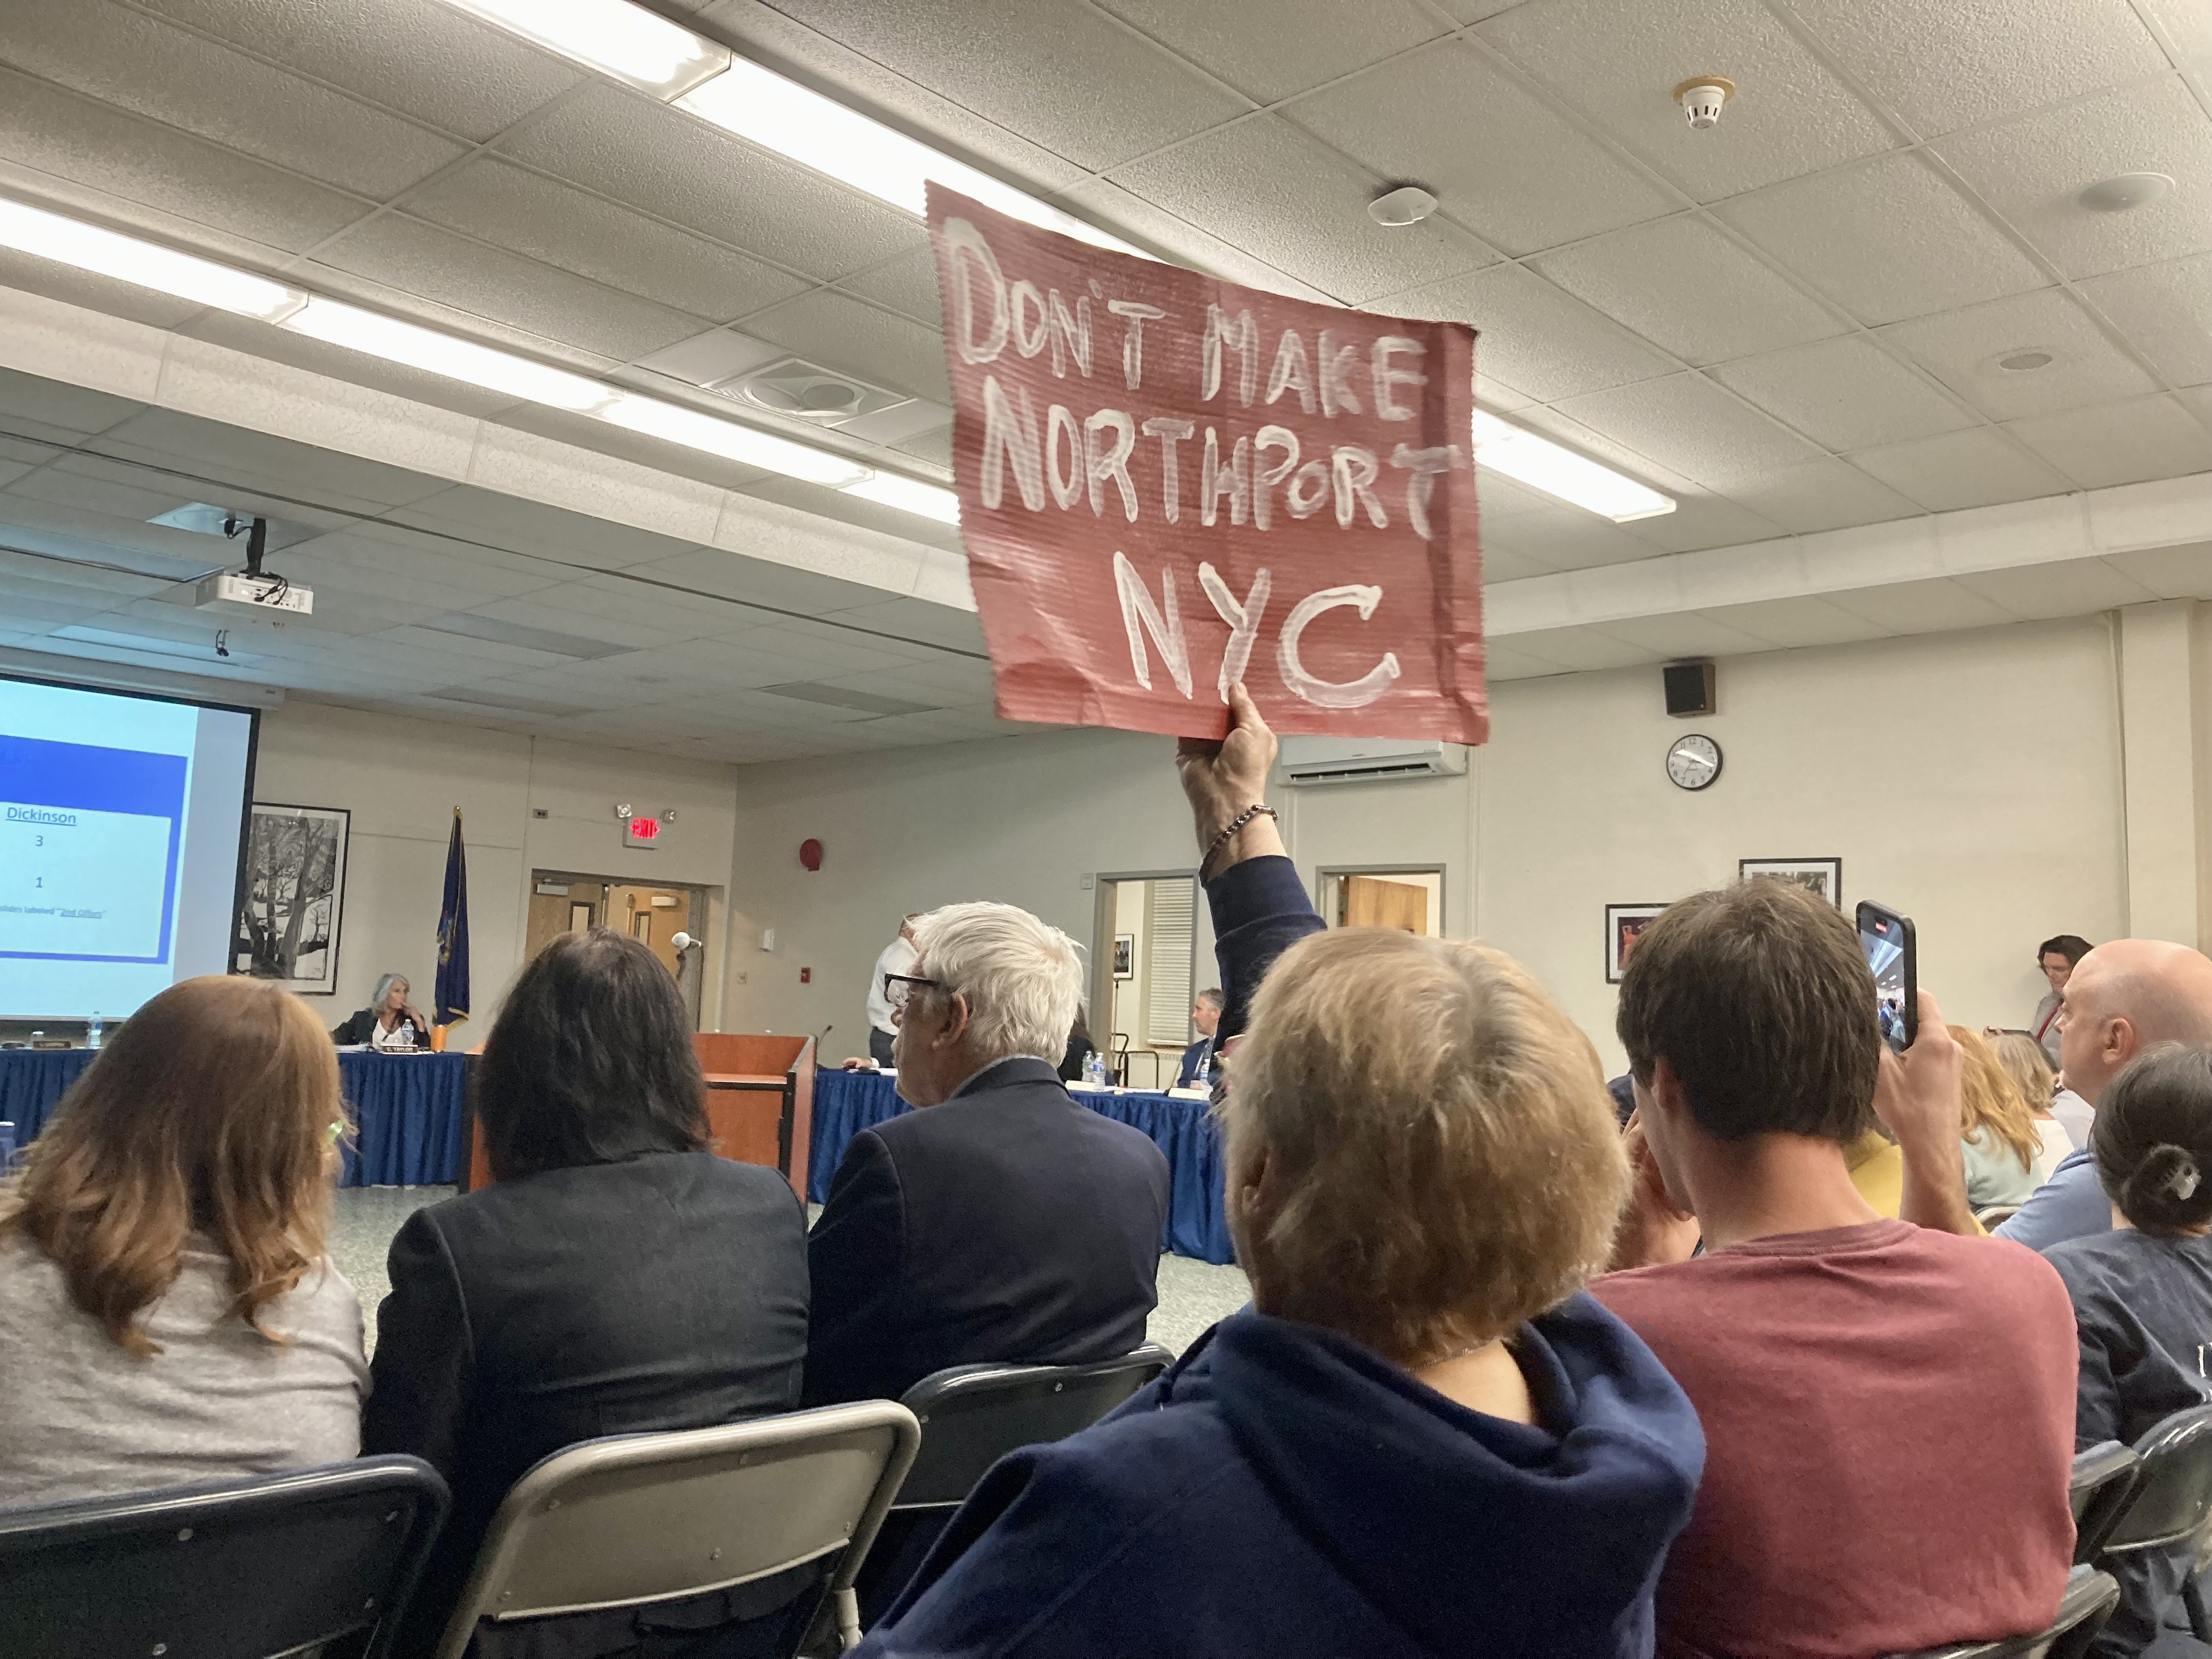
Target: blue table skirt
(846, 1102)
(408, 1110)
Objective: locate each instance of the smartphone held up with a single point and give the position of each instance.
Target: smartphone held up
(1887, 939)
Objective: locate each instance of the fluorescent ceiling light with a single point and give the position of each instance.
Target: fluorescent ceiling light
(626, 41)
(438, 353)
(743, 444)
(910, 496)
(778, 114)
(72, 242)
(1520, 454)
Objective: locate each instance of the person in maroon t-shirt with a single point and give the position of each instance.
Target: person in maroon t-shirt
(1888, 1411)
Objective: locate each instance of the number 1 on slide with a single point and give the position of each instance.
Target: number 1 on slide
(77, 883)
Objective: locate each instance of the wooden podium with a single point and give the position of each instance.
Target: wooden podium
(760, 1105)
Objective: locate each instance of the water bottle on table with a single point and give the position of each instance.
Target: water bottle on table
(6, 1145)
(91, 1029)
(1094, 1071)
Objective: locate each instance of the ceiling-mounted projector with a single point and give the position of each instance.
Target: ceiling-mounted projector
(251, 591)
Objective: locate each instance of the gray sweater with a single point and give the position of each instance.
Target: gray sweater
(82, 1417)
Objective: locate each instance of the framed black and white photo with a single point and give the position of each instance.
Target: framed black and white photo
(294, 897)
(1125, 955)
(1624, 925)
(1822, 875)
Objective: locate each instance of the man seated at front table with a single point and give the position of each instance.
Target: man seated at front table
(1003, 1222)
(1845, 1365)
(1199, 1060)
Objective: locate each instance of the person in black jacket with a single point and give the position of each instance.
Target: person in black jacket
(1004, 1223)
(617, 1279)
(390, 1021)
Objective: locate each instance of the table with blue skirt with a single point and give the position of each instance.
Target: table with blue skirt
(409, 1110)
(846, 1102)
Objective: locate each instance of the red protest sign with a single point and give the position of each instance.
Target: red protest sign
(1168, 482)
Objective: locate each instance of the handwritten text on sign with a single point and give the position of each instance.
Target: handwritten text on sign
(1169, 484)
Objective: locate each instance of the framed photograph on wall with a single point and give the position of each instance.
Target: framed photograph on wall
(1624, 925)
(1821, 876)
(294, 897)
(1125, 955)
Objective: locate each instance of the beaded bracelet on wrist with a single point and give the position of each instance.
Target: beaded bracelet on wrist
(1229, 830)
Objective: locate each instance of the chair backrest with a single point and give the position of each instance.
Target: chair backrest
(646, 1517)
(973, 1415)
(2088, 1601)
(2173, 1495)
(2104, 1480)
(1994, 1216)
(245, 1570)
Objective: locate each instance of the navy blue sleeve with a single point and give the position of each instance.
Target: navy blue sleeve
(853, 1260)
(425, 1365)
(2070, 1204)
(1260, 910)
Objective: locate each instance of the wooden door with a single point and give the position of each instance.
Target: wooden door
(1371, 902)
(570, 905)
(653, 916)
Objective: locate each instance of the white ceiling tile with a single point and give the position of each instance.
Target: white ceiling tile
(1503, 560)
(1688, 424)
(1844, 394)
(1887, 239)
(1959, 348)
(756, 581)
(907, 284)
(419, 56)
(2031, 171)
(2070, 588)
(1269, 188)
(674, 165)
(420, 564)
(500, 202)
(1686, 633)
(1947, 66)
(33, 406)
(1533, 338)
(1582, 648)
(1702, 519)
(862, 339)
(156, 167)
(915, 619)
(2188, 24)
(168, 74)
(1617, 58)
(1562, 538)
(1974, 468)
(1504, 162)
(1684, 285)
(453, 271)
(1796, 622)
(1926, 607)
(1270, 49)
(258, 460)
(1195, 244)
(2120, 443)
(1824, 495)
(2166, 312)
(2171, 573)
(1508, 662)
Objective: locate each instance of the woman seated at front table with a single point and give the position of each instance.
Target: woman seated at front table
(390, 1021)
(617, 1279)
(166, 1311)
(1421, 1438)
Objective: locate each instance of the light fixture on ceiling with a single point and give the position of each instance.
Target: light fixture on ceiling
(88, 247)
(2020, 359)
(1522, 456)
(2126, 192)
(626, 41)
(1408, 204)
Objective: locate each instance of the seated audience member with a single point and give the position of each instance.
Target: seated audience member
(1079, 1049)
(2058, 958)
(2023, 1059)
(1421, 1438)
(1998, 1139)
(2122, 997)
(166, 1311)
(1004, 1222)
(2143, 1291)
(1198, 1065)
(390, 1021)
(617, 1279)
(1844, 1365)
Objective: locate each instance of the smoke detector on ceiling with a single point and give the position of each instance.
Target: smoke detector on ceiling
(1408, 204)
(794, 388)
(1702, 97)
(2020, 359)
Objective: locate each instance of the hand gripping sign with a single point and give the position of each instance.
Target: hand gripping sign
(1169, 484)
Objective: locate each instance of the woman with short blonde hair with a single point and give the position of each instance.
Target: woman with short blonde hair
(1997, 1128)
(167, 1308)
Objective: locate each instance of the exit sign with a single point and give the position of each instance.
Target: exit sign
(641, 832)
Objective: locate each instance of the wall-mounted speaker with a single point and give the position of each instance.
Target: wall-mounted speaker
(1690, 688)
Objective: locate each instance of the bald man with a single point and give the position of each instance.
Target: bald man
(2122, 997)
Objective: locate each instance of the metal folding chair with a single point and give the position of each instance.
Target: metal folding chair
(2103, 1480)
(2088, 1601)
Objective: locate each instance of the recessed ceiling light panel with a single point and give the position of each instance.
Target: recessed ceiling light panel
(626, 41)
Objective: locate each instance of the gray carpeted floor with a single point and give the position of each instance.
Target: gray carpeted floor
(1193, 1294)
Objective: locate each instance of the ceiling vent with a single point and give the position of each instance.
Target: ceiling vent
(795, 388)
(1366, 760)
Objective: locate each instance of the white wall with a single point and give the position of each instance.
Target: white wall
(401, 780)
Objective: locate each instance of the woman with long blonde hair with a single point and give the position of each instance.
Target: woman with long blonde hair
(1996, 1126)
(167, 1310)
(2023, 1057)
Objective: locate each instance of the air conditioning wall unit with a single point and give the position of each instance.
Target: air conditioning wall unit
(1367, 760)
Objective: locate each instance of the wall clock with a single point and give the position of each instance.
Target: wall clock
(1693, 762)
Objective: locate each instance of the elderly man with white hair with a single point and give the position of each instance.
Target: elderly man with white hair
(1002, 1222)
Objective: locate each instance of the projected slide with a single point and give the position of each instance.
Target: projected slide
(88, 860)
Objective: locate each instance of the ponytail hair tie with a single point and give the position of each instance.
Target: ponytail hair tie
(2184, 1180)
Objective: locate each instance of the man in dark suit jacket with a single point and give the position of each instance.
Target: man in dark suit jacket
(1198, 1060)
(1003, 1223)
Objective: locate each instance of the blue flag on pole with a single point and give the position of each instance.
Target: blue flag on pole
(453, 932)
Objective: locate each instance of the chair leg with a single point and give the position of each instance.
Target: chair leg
(2192, 1600)
(849, 1619)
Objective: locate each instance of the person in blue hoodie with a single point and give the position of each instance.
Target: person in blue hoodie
(1422, 1438)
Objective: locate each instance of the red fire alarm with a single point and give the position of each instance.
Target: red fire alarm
(639, 831)
(806, 977)
(809, 854)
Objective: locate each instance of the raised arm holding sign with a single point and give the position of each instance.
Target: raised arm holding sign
(1169, 484)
